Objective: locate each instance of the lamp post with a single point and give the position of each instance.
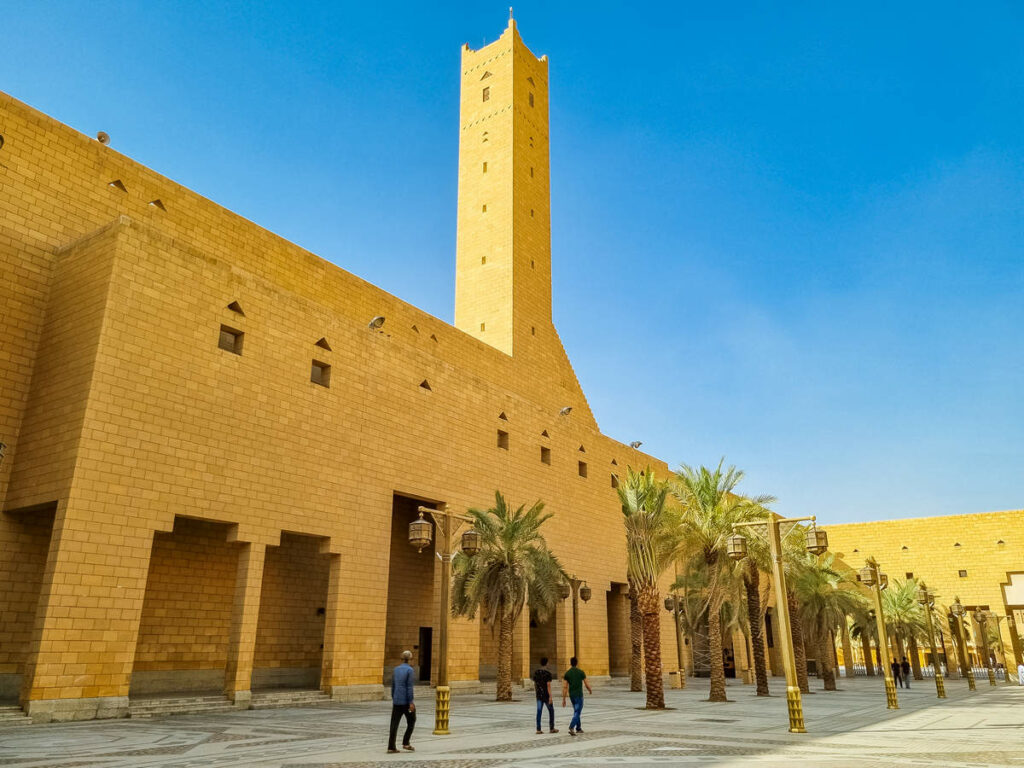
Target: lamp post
(672, 606)
(580, 591)
(927, 599)
(871, 577)
(958, 610)
(982, 618)
(816, 542)
(420, 536)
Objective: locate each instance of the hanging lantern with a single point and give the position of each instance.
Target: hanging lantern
(957, 608)
(922, 596)
(421, 533)
(866, 576)
(669, 604)
(883, 581)
(564, 591)
(471, 542)
(817, 541)
(736, 546)
(585, 593)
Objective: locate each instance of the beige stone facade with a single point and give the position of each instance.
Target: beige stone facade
(184, 508)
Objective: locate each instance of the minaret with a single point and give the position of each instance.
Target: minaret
(503, 247)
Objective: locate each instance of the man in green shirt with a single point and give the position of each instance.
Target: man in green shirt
(574, 680)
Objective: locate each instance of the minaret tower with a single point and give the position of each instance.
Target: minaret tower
(503, 248)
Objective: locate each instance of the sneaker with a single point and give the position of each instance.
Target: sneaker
(572, 732)
(392, 751)
(553, 730)
(408, 747)
(539, 731)
(579, 730)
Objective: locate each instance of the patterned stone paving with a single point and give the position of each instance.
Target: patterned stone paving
(848, 728)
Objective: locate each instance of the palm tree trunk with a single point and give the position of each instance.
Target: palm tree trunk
(897, 641)
(869, 661)
(751, 582)
(715, 651)
(915, 662)
(825, 650)
(636, 641)
(652, 651)
(504, 684)
(799, 652)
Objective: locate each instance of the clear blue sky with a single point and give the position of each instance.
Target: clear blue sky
(789, 234)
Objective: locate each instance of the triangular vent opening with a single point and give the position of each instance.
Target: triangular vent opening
(582, 449)
(416, 329)
(485, 75)
(157, 204)
(545, 434)
(235, 307)
(502, 416)
(426, 385)
(615, 462)
(530, 81)
(118, 184)
(324, 345)
(433, 337)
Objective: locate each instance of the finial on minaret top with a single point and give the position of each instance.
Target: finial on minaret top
(511, 20)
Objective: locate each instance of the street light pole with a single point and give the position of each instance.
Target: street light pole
(579, 590)
(420, 534)
(925, 598)
(816, 542)
(876, 581)
(957, 609)
(672, 605)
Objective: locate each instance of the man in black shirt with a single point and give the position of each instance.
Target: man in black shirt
(542, 678)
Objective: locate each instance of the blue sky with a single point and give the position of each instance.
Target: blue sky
(787, 234)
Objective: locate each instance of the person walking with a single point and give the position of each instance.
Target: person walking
(542, 678)
(1020, 674)
(575, 678)
(896, 672)
(402, 704)
(905, 672)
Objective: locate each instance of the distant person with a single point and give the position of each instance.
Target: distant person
(542, 678)
(575, 678)
(1020, 674)
(905, 671)
(897, 675)
(402, 704)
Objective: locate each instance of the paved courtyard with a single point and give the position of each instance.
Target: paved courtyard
(849, 728)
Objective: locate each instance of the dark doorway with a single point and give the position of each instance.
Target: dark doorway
(426, 646)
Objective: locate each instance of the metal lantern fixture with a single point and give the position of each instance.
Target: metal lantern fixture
(421, 533)
(867, 576)
(585, 593)
(564, 591)
(736, 546)
(817, 541)
(922, 596)
(669, 604)
(883, 581)
(471, 542)
(957, 608)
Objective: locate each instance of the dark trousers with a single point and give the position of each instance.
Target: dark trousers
(397, 712)
(541, 703)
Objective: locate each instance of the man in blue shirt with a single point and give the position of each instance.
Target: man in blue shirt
(402, 704)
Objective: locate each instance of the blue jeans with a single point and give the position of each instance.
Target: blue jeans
(551, 712)
(577, 708)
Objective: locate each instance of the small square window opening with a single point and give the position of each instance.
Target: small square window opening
(503, 439)
(320, 373)
(545, 455)
(230, 340)
(583, 469)
(487, 93)
(963, 574)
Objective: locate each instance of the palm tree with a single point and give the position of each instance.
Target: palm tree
(710, 508)
(652, 542)
(904, 616)
(513, 566)
(863, 627)
(636, 641)
(758, 560)
(826, 596)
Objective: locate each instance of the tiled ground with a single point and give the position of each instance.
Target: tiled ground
(848, 728)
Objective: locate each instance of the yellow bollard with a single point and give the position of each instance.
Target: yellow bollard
(444, 695)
